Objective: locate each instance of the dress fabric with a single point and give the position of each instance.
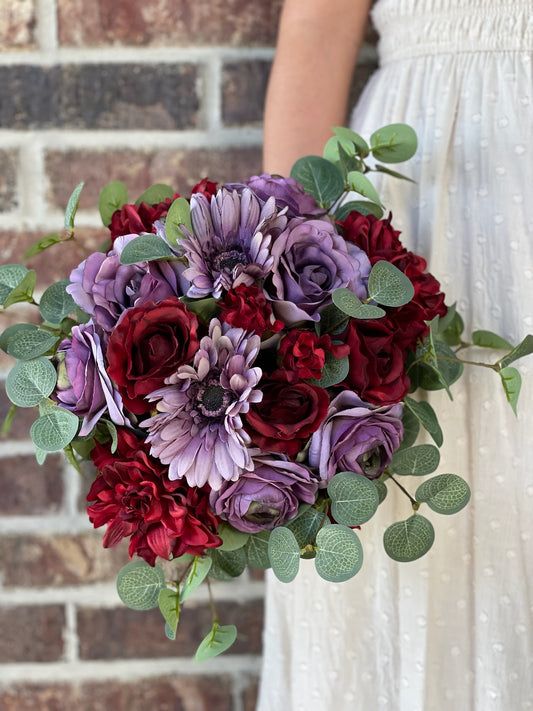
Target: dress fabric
(453, 630)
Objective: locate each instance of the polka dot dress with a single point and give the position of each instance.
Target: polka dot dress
(453, 630)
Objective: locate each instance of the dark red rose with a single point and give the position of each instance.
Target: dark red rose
(134, 497)
(247, 307)
(148, 344)
(205, 187)
(136, 219)
(304, 353)
(377, 238)
(287, 415)
(377, 363)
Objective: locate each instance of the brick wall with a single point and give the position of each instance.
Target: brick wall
(158, 91)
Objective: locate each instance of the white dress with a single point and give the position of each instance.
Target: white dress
(453, 630)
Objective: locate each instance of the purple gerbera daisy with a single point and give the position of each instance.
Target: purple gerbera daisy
(230, 241)
(198, 429)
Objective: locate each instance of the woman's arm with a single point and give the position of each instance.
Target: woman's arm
(317, 48)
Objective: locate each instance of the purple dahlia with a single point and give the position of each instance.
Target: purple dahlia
(198, 430)
(230, 241)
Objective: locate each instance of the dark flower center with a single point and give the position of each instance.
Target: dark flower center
(227, 261)
(259, 512)
(370, 461)
(213, 399)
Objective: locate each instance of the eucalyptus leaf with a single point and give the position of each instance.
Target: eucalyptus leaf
(218, 640)
(354, 498)
(346, 134)
(145, 248)
(28, 382)
(363, 207)
(419, 460)
(232, 539)
(139, 584)
(408, 540)
(226, 564)
(332, 151)
(425, 414)
(40, 456)
(155, 194)
(411, 428)
(284, 554)
(55, 430)
(178, 214)
(31, 343)
(112, 197)
(8, 421)
(23, 292)
(388, 286)
(12, 331)
(257, 550)
(199, 571)
(319, 178)
(72, 206)
(332, 320)
(340, 553)
(348, 302)
(169, 604)
(11, 275)
(487, 339)
(451, 328)
(442, 369)
(42, 244)
(205, 309)
(445, 493)
(334, 371)
(512, 382)
(381, 489)
(524, 348)
(394, 143)
(392, 173)
(362, 185)
(306, 526)
(56, 303)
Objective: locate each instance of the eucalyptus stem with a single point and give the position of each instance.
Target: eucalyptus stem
(492, 366)
(414, 502)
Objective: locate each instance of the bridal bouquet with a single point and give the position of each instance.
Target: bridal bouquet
(239, 365)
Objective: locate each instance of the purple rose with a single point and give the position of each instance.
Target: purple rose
(356, 437)
(287, 192)
(266, 497)
(104, 288)
(310, 261)
(87, 390)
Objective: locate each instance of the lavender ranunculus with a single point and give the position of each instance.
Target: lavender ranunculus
(230, 241)
(356, 437)
(198, 429)
(87, 390)
(265, 497)
(310, 261)
(287, 192)
(104, 288)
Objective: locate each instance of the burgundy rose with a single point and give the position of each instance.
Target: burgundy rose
(136, 219)
(147, 345)
(377, 362)
(205, 187)
(287, 415)
(134, 497)
(247, 307)
(304, 353)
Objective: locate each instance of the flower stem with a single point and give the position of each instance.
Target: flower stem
(414, 502)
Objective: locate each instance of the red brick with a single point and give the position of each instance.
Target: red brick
(24, 417)
(8, 173)
(175, 693)
(243, 91)
(249, 694)
(17, 25)
(168, 22)
(181, 169)
(59, 560)
(31, 633)
(114, 633)
(28, 488)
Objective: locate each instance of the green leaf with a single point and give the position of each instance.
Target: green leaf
(217, 641)
(332, 152)
(349, 304)
(226, 564)
(112, 197)
(257, 550)
(411, 428)
(8, 421)
(232, 539)
(340, 553)
(72, 206)
(155, 194)
(524, 348)
(179, 214)
(335, 370)
(425, 414)
(306, 526)
(199, 571)
(40, 456)
(487, 339)
(145, 248)
(332, 320)
(388, 286)
(284, 554)
(319, 178)
(56, 303)
(381, 489)
(347, 135)
(408, 540)
(512, 382)
(112, 433)
(445, 493)
(11, 331)
(11, 275)
(71, 457)
(362, 185)
(169, 604)
(42, 244)
(363, 207)
(392, 173)
(394, 143)
(440, 371)
(416, 461)
(28, 382)
(23, 292)
(138, 585)
(205, 309)
(450, 327)
(31, 343)
(354, 498)
(55, 430)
